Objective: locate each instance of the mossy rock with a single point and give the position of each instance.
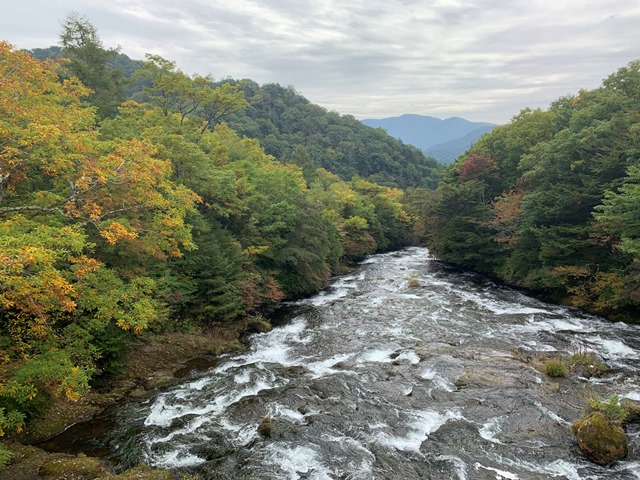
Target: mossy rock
(77, 468)
(141, 472)
(600, 440)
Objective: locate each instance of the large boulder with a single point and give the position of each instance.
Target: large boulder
(601, 440)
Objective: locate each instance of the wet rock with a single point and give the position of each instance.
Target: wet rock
(600, 440)
(76, 468)
(158, 381)
(295, 370)
(304, 409)
(478, 378)
(256, 325)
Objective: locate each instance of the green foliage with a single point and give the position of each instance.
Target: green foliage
(283, 120)
(555, 367)
(611, 409)
(159, 215)
(550, 201)
(92, 64)
(5, 456)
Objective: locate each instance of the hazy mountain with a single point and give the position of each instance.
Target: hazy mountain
(448, 152)
(425, 132)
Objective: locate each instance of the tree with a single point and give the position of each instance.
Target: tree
(92, 64)
(66, 198)
(175, 92)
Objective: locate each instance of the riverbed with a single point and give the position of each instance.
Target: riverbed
(403, 369)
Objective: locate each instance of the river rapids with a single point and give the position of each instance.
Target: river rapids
(404, 369)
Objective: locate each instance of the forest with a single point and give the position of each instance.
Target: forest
(141, 202)
(136, 198)
(551, 201)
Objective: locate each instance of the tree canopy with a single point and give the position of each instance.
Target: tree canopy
(550, 201)
(120, 217)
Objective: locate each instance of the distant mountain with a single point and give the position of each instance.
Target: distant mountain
(425, 132)
(448, 152)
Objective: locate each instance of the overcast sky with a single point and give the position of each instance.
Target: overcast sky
(484, 60)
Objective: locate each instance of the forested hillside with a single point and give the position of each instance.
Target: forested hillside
(551, 201)
(119, 218)
(283, 120)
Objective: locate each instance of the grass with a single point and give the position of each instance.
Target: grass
(556, 367)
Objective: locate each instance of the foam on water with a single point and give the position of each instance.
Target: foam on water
(635, 396)
(631, 467)
(557, 468)
(176, 459)
(339, 289)
(345, 346)
(560, 468)
(361, 470)
(274, 346)
(424, 424)
(297, 461)
(294, 416)
(240, 434)
(408, 355)
(325, 367)
(553, 416)
(500, 474)
(437, 380)
(491, 428)
(614, 349)
(375, 355)
(459, 465)
(242, 377)
(162, 413)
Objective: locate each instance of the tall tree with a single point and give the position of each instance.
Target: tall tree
(93, 64)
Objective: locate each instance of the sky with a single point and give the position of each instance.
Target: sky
(483, 60)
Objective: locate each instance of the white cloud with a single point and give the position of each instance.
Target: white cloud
(484, 60)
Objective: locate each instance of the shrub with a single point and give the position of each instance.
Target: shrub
(611, 409)
(266, 427)
(555, 367)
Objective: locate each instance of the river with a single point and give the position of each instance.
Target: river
(404, 369)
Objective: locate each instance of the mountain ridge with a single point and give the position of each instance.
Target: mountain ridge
(453, 135)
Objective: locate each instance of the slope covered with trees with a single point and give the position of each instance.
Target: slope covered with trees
(283, 120)
(117, 220)
(551, 200)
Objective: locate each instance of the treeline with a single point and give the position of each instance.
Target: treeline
(551, 201)
(120, 218)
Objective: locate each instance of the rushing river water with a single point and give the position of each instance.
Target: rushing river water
(403, 369)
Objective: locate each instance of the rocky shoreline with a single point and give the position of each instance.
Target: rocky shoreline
(157, 362)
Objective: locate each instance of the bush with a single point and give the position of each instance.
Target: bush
(555, 367)
(611, 409)
(266, 427)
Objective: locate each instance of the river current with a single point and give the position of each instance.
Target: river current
(404, 369)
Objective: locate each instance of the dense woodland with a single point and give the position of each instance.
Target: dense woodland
(128, 205)
(136, 198)
(551, 201)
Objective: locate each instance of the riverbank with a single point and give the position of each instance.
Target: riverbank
(156, 362)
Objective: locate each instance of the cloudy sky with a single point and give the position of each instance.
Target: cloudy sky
(484, 60)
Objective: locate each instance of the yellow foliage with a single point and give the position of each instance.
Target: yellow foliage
(115, 232)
